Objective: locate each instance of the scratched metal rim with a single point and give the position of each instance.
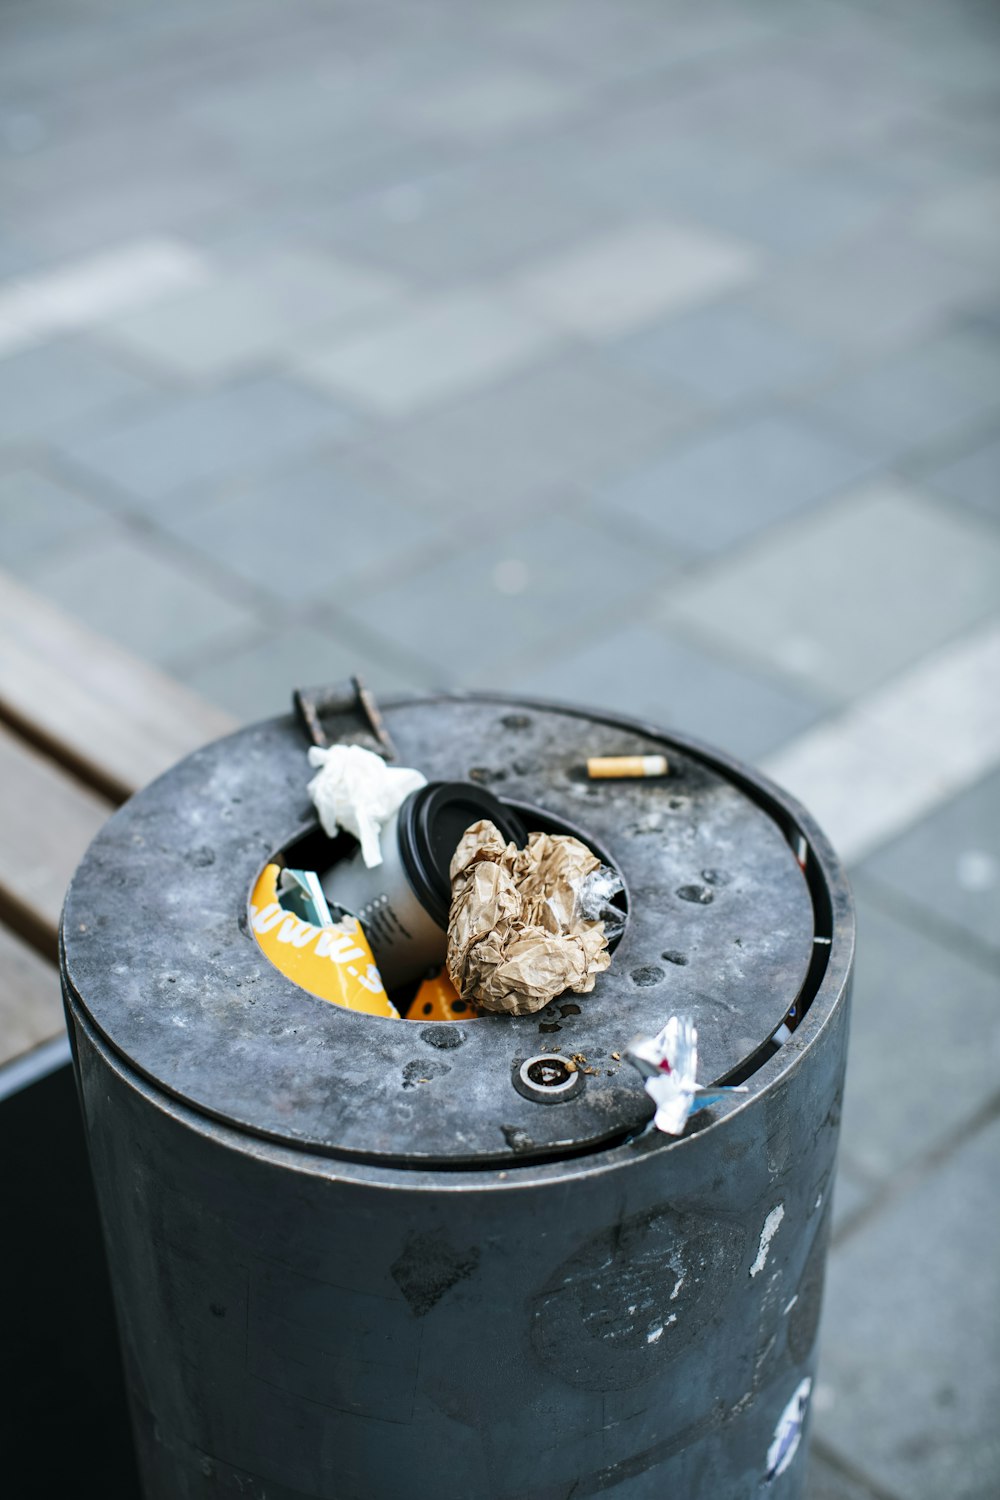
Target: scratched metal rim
(154, 955)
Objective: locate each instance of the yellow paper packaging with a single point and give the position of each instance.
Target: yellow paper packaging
(333, 963)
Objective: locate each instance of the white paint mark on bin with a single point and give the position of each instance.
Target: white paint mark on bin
(770, 1229)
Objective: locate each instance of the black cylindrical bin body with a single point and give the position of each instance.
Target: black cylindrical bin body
(350, 1260)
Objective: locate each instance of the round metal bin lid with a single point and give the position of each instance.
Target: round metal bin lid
(157, 949)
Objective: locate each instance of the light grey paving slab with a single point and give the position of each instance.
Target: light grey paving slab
(471, 221)
(724, 353)
(925, 1037)
(38, 515)
(950, 862)
(134, 594)
(844, 599)
(885, 760)
(238, 319)
(639, 670)
(917, 398)
(193, 439)
(554, 423)
(881, 291)
(425, 353)
(310, 532)
(470, 614)
(909, 1379)
(706, 492)
(623, 279)
(49, 389)
(256, 679)
(973, 477)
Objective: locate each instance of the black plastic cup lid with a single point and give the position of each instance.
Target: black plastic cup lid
(431, 824)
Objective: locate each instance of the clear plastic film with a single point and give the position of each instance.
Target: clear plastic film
(595, 895)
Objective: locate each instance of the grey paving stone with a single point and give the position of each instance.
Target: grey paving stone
(706, 492)
(621, 279)
(910, 1359)
(973, 477)
(554, 423)
(919, 397)
(639, 670)
(425, 353)
(193, 439)
(236, 320)
(87, 211)
(38, 515)
(789, 208)
(133, 594)
(53, 387)
(789, 103)
(843, 599)
(876, 293)
(295, 110)
(925, 1033)
(471, 613)
(471, 221)
(489, 105)
(310, 532)
(949, 863)
(622, 42)
(256, 679)
(723, 353)
(965, 219)
(825, 1482)
(852, 1192)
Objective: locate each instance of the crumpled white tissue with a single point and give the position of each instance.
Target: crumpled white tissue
(354, 789)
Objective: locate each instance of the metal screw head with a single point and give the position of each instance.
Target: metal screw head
(547, 1078)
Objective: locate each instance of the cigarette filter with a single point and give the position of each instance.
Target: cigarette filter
(600, 767)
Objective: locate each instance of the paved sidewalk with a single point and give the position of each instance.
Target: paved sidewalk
(620, 350)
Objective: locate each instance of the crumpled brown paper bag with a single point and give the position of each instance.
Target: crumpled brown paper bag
(514, 940)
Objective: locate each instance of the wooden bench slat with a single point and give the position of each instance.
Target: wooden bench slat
(47, 819)
(30, 1003)
(116, 721)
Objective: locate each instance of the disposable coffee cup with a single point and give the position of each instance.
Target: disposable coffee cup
(403, 903)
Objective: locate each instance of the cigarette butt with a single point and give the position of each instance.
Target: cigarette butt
(600, 767)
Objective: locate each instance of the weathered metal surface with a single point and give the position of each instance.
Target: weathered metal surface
(295, 1326)
(633, 1318)
(159, 954)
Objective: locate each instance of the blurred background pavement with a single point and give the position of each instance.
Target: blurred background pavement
(624, 351)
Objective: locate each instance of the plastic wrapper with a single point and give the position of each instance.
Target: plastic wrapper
(332, 961)
(517, 936)
(668, 1063)
(594, 900)
(354, 789)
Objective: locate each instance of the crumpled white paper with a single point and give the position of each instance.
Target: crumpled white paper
(354, 789)
(668, 1063)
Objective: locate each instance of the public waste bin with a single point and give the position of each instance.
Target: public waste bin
(360, 1257)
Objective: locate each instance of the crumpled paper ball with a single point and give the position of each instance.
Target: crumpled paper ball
(515, 935)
